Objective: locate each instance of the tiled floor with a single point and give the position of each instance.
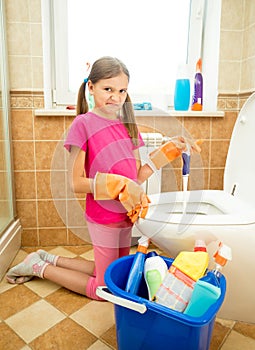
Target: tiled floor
(40, 315)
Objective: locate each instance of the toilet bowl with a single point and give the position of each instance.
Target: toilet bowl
(176, 219)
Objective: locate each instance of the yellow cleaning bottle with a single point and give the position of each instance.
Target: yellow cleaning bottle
(178, 284)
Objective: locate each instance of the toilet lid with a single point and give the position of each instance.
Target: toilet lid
(239, 176)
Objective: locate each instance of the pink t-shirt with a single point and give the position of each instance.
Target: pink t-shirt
(109, 149)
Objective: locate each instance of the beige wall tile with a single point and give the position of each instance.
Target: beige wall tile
(216, 179)
(43, 185)
(75, 213)
(249, 14)
(249, 42)
(169, 126)
(25, 185)
(75, 234)
(34, 10)
(222, 127)
(229, 73)
(49, 128)
(26, 211)
(22, 124)
(52, 237)
(232, 12)
(198, 128)
(36, 39)
(44, 151)
(37, 69)
(29, 237)
(232, 43)
(198, 179)
(49, 215)
(21, 75)
(19, 39)
(219, 150)
(23, 155)
(51, 184)
(17, 10)
(248, 75)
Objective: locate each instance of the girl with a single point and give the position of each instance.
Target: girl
(104, 163)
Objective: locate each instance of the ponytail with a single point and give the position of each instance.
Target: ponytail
(82, 104)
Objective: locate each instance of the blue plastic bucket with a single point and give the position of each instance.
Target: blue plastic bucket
(144, 325)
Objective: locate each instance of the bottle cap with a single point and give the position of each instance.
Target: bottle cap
(199, 65)
(223, 254)
(200, 246)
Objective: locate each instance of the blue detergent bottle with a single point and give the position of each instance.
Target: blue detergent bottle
(136, 270)
(182, 89)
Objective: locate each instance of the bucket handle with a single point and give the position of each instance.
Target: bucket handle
(104, 293)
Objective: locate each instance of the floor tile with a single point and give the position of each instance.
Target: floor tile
(15, 300)
(67, 301)
(110, 337)
(237, 341)
(65, 335)
(9, 340)
(246, 329)
(98, 345)
(19, 257)
(34, 320)
(62, 252)
(42, 287)
(218, 335)
(97, 317)
(88, 255)
(4, 285)
(79, 250)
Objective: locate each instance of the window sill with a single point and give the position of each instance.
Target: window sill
(138, 113)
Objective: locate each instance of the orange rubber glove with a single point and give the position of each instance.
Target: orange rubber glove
(129, 193)
(167, 153)
(171, 150)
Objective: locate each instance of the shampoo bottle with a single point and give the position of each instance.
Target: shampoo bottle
(182, 90)
(136, 270)
(197, 101)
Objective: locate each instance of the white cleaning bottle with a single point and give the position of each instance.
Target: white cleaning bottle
(155, 269)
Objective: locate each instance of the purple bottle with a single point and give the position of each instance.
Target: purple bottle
(197, 102)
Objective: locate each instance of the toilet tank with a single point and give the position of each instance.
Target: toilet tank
(152, 141)
(240, 164)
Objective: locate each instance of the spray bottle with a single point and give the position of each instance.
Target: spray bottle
(207, 291)
(197, 101)
(136, 270)
(176, 289)
(185, 168)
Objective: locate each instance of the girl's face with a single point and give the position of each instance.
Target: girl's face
(109, 95)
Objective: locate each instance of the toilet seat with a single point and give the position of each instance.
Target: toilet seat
(207, 207)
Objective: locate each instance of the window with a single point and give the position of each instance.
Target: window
(152, 39)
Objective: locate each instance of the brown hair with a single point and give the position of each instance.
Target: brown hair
(104, 68)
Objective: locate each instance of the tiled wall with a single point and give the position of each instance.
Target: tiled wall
(36, 140)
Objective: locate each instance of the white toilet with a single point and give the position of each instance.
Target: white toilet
(227, 216)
